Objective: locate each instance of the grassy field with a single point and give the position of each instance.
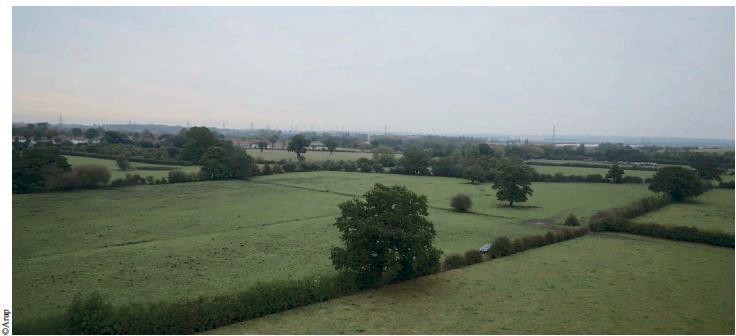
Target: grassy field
(599, 284)
(276, 155)
(138, 167)
(588, 171)
(713, 210)
(164, 242)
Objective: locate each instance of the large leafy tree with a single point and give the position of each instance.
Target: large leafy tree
(615, 174)
(513, 182)
(708, 168)
(298, 145)
(331, 144)
(226, 162)
(386, 232)
(34, 168)
(474, 173)
(415, 161)
(197, 140)
(678, 182)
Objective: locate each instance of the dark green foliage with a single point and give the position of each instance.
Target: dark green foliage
(517, 246)
(513, 183)
(197, 140)
(473, 256)
(94, 315)
(386, 232)
(680, 183)
(91, 176)
(266, 170)
(364, 165)
(708, 168)
(331, 144)
(415, 162)
(615, 174)
(461, 203)
(178, 176)
(726, 185)
(571, 220)
(533, 241)
(384, 156)
(501, 247)
(122, 162)
(550, 237)
(227, 162)
(129, 180)
(34, 168)
(298, 144)
(474, 173)
(113, 137)
(262, 144)
(453, 261)
(682, 233)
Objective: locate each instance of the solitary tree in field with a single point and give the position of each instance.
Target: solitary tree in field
(298, 145)
(386, 232)
(474, 173)
(273, 139)
(331, 144)
(513, 182)
(461, 203)
(122, 162)
(262, 144)
(680, 183)
(615, 174)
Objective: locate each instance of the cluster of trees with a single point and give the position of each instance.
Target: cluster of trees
(42, 168)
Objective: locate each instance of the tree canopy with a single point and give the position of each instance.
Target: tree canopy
(386, 232)
(298, 145)
(615, 174)
(513, 182)
(678, 182)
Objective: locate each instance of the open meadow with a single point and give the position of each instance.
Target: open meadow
(142, 169)
(588, 171)
(713, 210)
(597, 284)
(165, 242)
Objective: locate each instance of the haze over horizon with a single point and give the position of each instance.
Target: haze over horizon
(655, 72)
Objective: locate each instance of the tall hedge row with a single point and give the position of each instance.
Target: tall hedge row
(92, 314)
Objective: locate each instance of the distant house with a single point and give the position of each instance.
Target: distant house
(317, 146)
(245, 143)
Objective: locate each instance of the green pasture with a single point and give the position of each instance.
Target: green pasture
(713, 210)
(275, 154)
(166, 242)
(588, 171)
(139, 168)
(598, 284)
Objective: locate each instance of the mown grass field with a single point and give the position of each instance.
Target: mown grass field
(165, 242)
(598, 284)
(269, 154)
(713, 210)
(588, 171)
(138, 167)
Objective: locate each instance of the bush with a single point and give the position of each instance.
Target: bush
(501, 247)
(94, 315)
(128, 181)
(550, 237)
(517, 246)
(473, 257)
(726, 185)
(461, 203)
(571, 220)
(178, 176)
(615, 223)
(533, 241)
(453, 261)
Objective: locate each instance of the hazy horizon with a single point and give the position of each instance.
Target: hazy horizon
(639, 71)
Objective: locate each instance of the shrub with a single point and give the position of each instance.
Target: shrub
(453, 261)
(84, 176)
(178, 176)
(533, 241)
(128, 181)
(461, 203)
(501, 247)
(726, 185)
(93, 315)
(571, 220)
(550, 237)
(517, 246)
(473, 256)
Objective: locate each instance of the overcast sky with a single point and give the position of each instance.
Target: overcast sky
(601, 71)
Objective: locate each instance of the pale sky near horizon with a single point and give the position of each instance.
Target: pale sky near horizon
(638, 71)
